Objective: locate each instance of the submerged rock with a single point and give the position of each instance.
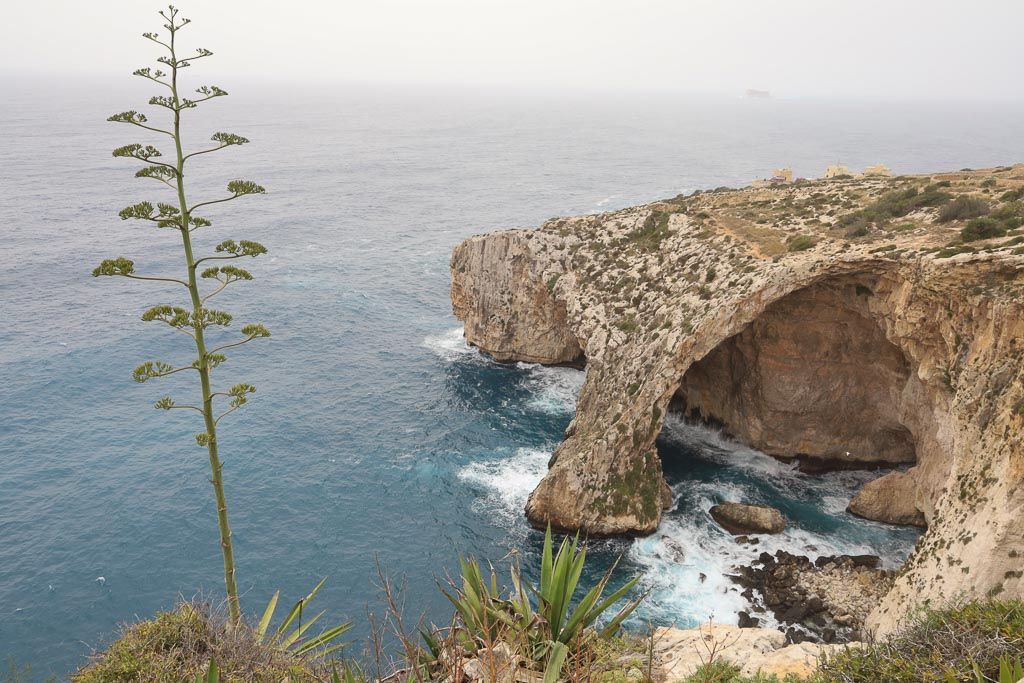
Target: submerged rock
(738, 518)
(891, 499)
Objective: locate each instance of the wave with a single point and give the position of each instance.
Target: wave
(450, 345)
(687, 563)
(507, 482)
(554, 389)
(713, 445)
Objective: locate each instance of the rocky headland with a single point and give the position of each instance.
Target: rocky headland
(843, 323)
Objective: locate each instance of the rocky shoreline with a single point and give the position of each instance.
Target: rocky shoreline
(678, 653)
(827, 600)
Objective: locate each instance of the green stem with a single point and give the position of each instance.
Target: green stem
(234, 608)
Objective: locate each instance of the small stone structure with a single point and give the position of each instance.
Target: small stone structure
(836, 170)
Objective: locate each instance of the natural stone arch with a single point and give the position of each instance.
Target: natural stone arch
(958, 320)
(812, 378)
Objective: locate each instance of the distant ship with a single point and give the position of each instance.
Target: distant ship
(758, 93)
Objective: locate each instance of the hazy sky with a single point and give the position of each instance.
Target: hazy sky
(876, 48)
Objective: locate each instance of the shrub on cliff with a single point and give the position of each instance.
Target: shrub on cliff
(896, 204)
(936, 646)
(801, 243)
(1013, 195)
(531, 629)
(724, 671)
(179, 645)
(962, 208)
(982, 229)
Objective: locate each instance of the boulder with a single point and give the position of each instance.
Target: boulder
(891, 499)
(737, 518)
(678, 653)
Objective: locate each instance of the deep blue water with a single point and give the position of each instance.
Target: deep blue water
(375, 432)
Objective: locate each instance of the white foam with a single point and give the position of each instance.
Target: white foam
(687, 563)
(675, 559)
(689, 543)
(835, 505)
(507, 481)
(450, 345)
(714, 443)
(554, 389)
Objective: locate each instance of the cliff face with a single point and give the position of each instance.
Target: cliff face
(831, 322)
(500, 294)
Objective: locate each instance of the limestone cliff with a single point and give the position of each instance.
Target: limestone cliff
(841, 323)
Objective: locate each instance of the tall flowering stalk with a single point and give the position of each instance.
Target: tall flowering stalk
(195, 318)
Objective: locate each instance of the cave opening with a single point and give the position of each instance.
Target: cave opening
(812, 379)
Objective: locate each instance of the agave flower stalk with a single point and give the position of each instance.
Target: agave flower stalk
(195, 318)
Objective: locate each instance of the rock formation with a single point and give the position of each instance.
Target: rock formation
(891, 499)
(841, 323)
(826, 600)
(737, 518)
(678, 653)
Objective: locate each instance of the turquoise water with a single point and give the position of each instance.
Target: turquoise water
(375, 432)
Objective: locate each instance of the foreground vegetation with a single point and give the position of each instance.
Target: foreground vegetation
(973, 642)
(488, 640)
(954, 644)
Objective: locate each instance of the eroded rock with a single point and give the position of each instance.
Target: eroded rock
(738, 518)
(891, 498)
(827, 600)
(680, 652)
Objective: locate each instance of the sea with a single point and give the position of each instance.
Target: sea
(378, 443)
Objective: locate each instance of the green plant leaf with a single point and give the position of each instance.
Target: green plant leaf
(324, 638)
(555, 661)
(296, 611)
(268, 614)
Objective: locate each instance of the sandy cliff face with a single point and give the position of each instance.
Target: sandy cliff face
(828, 322)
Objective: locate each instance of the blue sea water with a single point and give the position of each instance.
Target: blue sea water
(375, 433)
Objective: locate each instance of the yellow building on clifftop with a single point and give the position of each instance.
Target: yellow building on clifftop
(836, 170)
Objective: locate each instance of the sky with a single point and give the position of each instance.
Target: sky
(898, 49)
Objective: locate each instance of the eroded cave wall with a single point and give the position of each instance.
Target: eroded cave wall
(813, 377)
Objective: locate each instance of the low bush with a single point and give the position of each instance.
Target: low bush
(801, 243)
(858, 231)
(178, 646)
(1013, 195)
(1009, 210)
(654, 230)
(540, 628)
(897, 204)
(723, 671)
(963, 208)
(982, 229)
(937, 646)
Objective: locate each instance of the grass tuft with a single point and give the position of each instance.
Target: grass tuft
(937, 645)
